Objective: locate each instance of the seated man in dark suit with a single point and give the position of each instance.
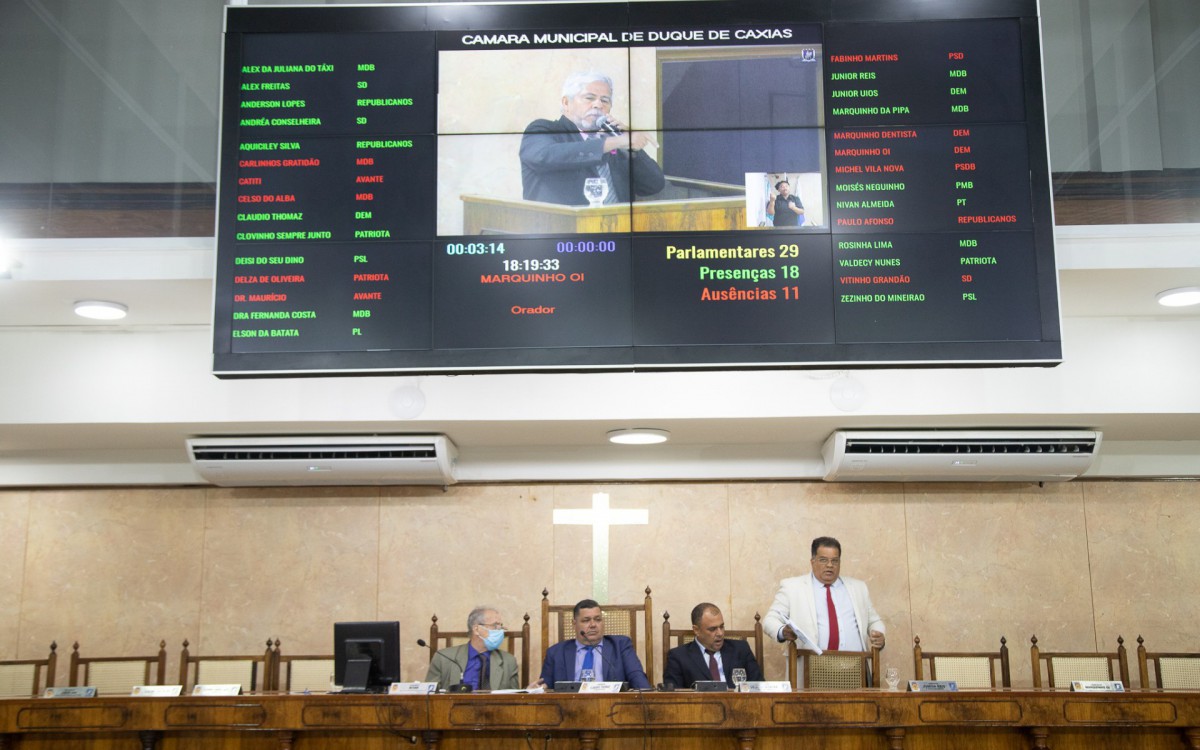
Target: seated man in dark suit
(710, 656)
(611, 658)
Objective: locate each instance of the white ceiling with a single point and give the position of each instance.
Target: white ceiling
(1108, 279)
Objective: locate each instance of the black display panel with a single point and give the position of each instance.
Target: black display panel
(625, 186)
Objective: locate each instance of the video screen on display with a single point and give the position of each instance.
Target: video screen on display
(628, 186)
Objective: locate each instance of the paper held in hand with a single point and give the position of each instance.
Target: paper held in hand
(803, 638)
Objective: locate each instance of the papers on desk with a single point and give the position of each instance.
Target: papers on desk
(803, 637)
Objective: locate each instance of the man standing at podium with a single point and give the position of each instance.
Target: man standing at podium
(609, 658)
(586, 142)
(834, 609)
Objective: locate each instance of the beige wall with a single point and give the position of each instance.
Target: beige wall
(960, 565)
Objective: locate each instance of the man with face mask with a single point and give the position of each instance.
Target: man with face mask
(479, 662)
(586, 141)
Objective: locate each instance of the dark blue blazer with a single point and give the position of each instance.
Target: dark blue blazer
(621, 663)
(555, 160)
(686, 664)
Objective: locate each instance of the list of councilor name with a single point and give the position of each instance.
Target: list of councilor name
(332, 136)
(927, 158)
(929, 231)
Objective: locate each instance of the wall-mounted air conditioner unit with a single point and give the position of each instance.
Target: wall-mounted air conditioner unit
(959, 455)
(335, 460)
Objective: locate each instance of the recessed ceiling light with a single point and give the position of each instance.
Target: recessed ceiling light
(100, 310)
(638, 436)
(1181, 297)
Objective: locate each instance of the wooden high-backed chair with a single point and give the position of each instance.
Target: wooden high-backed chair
(118, 675)
(439, 639)
(619, 619)
(1171, 671)
(834, 670)
(21, 678)
(672, 637)
(970, 669)
(251, 672)
(298, 673)
(1063, 667)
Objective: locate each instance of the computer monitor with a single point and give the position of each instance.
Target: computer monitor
(366, 656)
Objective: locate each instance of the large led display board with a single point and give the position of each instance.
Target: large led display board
(633, 186)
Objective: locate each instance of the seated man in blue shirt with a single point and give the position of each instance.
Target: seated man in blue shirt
(611, 658)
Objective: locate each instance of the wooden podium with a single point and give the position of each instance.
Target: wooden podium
(485, 215)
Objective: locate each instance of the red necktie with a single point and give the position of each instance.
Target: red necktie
(833, 622)
(712, 666)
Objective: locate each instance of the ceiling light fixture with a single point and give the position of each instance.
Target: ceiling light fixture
(638, 436)
(1181, 297)
(100, 310)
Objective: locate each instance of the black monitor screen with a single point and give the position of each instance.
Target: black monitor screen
(370, 650)
(681, 185)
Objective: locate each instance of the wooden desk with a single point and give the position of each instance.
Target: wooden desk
(980, 720)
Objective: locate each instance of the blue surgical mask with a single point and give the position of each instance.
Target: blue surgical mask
(493, 640)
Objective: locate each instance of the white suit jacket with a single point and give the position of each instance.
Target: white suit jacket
(795, 600)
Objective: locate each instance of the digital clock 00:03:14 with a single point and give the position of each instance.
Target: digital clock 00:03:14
(475, 248)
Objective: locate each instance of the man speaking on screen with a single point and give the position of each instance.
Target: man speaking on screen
(586, 148)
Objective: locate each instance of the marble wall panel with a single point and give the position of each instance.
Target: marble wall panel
(1144, 546)
(772, 528)
(445, 553)
(958, 564)
(14, 529)
(680, 554)
(286, 564)
(1000, 560)
(683, 554)
(116, 570)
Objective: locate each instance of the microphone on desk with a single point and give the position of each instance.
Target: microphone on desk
(458, 687)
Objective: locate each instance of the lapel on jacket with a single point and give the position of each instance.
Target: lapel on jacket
(568, 660)
(810, 604)
(697, 657)
(608, 651)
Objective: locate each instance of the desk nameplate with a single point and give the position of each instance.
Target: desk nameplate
(787, 712)
(649, 713)
(1111, 711)
(205, 714)
(959, 711)
(344, 714)
(474, 712)
(60, 718)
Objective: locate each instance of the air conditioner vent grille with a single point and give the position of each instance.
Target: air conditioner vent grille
(284, 453)
(956, 447)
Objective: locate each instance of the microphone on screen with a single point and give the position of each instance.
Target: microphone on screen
(608, 126)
